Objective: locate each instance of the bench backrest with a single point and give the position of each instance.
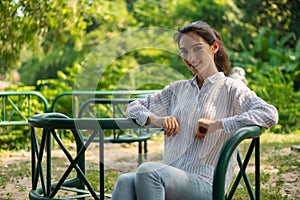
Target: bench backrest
(104, 108)
(111, 108)
(17, 107)
(78, 97)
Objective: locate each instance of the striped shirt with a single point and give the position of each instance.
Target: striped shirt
(220, 97)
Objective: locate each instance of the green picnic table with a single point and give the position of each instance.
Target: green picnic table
(44, 187)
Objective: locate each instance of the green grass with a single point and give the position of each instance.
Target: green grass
(12, 173)
(279, 170)
(279, 165)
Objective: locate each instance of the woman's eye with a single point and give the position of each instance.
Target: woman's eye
(183, 53)
(197, 49)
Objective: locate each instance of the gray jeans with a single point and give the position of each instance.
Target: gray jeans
(157, 181)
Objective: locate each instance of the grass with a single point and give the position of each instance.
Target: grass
(279, 169)
(13, 173)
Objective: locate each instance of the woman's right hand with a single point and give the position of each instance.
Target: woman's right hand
(168, 123)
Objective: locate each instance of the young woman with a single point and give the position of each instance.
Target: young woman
(197, 116)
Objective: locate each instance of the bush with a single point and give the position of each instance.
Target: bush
(273, 72)
(277, 88)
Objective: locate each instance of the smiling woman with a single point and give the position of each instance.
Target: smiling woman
(198, 55)
(209, 38)
(197, 116)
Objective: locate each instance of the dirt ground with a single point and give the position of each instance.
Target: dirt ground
(120, 157)
(18, 187)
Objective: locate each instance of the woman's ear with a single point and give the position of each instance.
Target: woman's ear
(215, 47)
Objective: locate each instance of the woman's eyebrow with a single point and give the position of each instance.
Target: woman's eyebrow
(197, 44)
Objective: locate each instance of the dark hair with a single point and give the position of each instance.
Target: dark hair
(210, 35)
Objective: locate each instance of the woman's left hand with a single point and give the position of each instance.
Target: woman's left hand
(205, 126)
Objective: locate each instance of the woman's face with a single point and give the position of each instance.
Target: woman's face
(198, 55)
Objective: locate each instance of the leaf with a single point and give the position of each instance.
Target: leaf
(291, 67)
(285, 39)
(297, 49)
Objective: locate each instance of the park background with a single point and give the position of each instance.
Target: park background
(44, 43)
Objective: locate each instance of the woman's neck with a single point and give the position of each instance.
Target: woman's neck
(200, 81)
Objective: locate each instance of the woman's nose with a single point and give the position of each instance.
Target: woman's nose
(191, 57)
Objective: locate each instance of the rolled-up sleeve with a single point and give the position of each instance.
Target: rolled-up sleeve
(249, 109)
(154, 104)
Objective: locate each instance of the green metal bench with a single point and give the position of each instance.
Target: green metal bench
(253, 133)
(49, 123)
(115, 108)
(78, 97)
(17, 107)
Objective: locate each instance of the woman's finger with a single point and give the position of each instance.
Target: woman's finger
(176, 128)
(167, 126)
(171, 126)
(175, 125)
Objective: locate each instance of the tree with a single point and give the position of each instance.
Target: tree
(60, 34)
(37, 25)
(275, 15)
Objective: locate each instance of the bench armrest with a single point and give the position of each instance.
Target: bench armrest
(225, 154)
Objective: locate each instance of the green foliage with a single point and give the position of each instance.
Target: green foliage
(273, 73)
(50, 88)
(46, 66)
(15, 138)
(23, 24)
(276, 88)
(280, 15)
(59, 46)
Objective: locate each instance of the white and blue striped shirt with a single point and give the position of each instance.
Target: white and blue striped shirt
(220, 97)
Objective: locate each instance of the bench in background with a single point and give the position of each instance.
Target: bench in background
(17, 107)
(115, 108)
(78, 97)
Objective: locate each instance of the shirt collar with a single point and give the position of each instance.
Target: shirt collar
(211, 79)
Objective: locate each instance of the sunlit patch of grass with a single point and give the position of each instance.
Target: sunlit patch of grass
(266, 193)
(278, 163)
(9, 196)
(13, 172)
(110, 178)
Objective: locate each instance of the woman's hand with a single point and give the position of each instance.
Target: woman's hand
(205, 126)
(169, 124)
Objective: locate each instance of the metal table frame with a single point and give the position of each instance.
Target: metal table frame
(50, 122)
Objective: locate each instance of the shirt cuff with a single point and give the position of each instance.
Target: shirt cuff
(142, 119)
(229, 124)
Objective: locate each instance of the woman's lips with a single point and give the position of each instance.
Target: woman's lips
(194, 66)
